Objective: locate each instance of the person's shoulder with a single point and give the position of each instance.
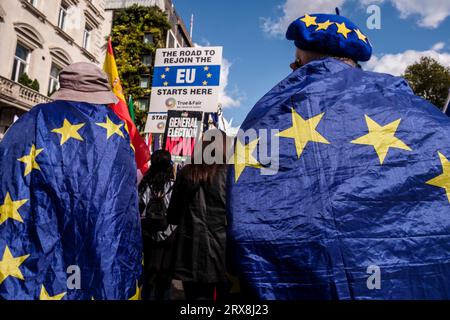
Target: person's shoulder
(387, 79)
(183, 172)
(222, 172)
(26, 121)
(49, 107)
(397, 94)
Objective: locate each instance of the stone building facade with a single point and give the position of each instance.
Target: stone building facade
(39, 38)
(177, 37)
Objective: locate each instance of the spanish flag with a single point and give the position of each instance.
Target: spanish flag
(142, 152)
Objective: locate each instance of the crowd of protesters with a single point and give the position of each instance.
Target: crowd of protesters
(68, 193)
(183, 219)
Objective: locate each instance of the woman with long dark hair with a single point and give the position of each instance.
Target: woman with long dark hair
(198, 208)
(158, 235)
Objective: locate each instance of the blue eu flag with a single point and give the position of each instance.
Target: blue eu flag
(69, 222)
(360, 205)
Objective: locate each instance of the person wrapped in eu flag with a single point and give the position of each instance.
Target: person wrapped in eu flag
(359, 207)
(69, 220)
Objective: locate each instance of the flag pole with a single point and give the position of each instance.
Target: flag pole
(447, 103)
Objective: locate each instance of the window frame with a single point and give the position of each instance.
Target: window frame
(53, 80)
(62, 15)
(152, 37)
(88, 30)
(149, 65)
(143, 104)
(171, 35)
(16, 67)
(146, 76)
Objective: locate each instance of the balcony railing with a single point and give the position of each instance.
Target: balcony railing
(20, 96)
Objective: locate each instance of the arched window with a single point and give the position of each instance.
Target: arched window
(2, 14)
(28, 39)
(28, 35)
(60, 59)
(60, 56)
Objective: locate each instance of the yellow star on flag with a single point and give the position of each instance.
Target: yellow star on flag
(131, 142)
(360, 35)
(45, 296)
(342, 29)
(304, 131)
(205, 83)
(165, 83)
(206, 68)
(137, 295)
(10, 209)
(309, 21)
(68, 131)
(167, 69)
(9, 266)
(209, 75)
(324, 25)
(163, 76)
(235, 283)
(111, 128)
(243, 157)
(30, 160)
(382, 138)
(443, 181)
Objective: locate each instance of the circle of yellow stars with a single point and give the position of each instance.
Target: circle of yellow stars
(204, 83)
(10, 263)
(382, 138)
(341, 27)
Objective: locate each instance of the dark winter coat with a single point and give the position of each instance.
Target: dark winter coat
(199, 211)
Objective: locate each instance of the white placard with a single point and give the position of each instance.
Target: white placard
(156, 122)
(186, 79)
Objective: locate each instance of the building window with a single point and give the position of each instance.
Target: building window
(33, 2)
(54, 79)
(147, 60)
(142, 104)
(21, 60)
(62, 15)
(87, 36)
(171, 41)
(145, 82)
(148, 38)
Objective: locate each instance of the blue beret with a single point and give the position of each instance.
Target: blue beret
(330, 34)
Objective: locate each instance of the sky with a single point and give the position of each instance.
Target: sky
(257, 56)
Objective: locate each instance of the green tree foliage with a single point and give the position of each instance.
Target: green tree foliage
(25, 80)
(430, 80)
(35, 85)
(130, 25)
